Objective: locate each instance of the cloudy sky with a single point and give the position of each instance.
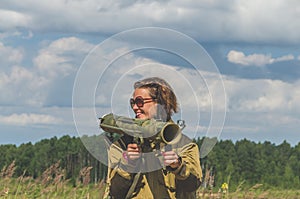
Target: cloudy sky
(234, 65)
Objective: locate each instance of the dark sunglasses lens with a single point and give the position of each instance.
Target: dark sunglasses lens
(131, 102)
(139, 102)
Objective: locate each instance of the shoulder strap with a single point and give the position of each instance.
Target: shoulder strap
(133, 185)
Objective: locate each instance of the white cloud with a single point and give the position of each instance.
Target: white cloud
(59, 57)
(69, 44)
(284, 58)
(262, 95)
(262, 109)
(29, 119)
(31, 85)
(254, 59)
(10, 55)
(237, 20)
(21, 86)
(10, 19)
(3, 35)
(238, 57)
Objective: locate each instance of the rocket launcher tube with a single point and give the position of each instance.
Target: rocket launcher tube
(167, 132)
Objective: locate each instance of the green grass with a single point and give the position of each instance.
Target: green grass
(52, 184)
(29, 188)
(257, 191)
(23, 188)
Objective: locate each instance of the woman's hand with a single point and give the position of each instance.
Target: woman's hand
(171, 159)
(133, 152)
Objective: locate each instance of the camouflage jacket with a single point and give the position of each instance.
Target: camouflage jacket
(147, 179)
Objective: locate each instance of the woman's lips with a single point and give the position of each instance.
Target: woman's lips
(138, 115)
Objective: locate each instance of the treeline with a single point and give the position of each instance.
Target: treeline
(33, 159)
(241, 163)
(248, 163)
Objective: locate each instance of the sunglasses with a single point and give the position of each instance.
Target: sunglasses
(139, 101)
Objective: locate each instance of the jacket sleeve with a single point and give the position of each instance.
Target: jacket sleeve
(188, 174)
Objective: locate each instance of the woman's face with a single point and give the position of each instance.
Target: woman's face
(148, 110)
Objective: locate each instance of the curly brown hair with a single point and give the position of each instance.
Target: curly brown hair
(162, 93)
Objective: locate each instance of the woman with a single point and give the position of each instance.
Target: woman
(178, 177)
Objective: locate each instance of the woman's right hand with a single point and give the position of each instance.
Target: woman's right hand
(133, 152)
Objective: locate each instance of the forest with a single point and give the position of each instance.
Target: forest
(244, 162)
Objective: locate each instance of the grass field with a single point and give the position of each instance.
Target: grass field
(252, 194)
(53, 185)
(23, 188)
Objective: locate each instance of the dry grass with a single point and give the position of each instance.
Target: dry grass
(84, 176)
(52, 184)
(8, 171)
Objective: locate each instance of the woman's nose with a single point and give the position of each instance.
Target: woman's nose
(135, 107)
